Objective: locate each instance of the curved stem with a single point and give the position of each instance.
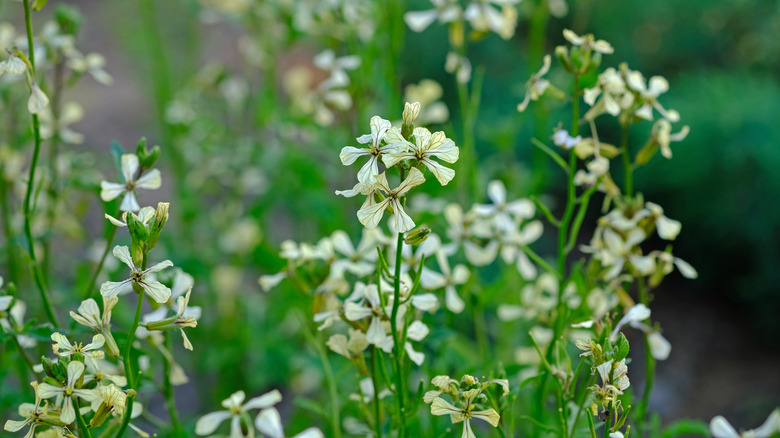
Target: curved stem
(627, 168)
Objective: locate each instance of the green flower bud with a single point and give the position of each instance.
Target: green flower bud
(563, 58)
(68, 19)
(418, 236)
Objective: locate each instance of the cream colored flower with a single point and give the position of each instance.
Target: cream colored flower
(368, 173)
(426, 147)
(372, 214)
(148, 180)
(64, 348)
(65, 394)
(13, 66)
(441, 407)
(588, 42)
(33, 415)
(207, 424)
(658, 85)
(446, 11)
(158, 291)
(38, 100)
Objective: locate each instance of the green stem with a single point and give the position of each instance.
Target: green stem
(80, 420)
(377, 406)
(649, 363)
(53, 176)
(583, 397)
(592, 427)
(9, 237)
(575, 229)
(562, 412)
(132, 382)
(170, 400)
(397, 347)
(627, 168)
(37, 274)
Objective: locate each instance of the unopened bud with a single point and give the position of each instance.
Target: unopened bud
(411, 111)
(563, 57)
(418, 236)
(158, 222)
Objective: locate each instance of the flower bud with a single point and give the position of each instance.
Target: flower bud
(411, 111)
(37, 101)
(157, 224)
(418, 236)
(110, 346)
(563, 57)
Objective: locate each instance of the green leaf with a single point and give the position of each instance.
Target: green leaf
(621, 348)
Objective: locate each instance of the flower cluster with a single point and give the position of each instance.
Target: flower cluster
(467, 397)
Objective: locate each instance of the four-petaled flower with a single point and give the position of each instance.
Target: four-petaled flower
(148, 180)
(235, 406)
(371, 215)
(158, 291)
(439, 406)
(379, 129)
(67, 392)
(428, 146)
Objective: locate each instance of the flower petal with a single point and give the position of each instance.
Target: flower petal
(208, 423)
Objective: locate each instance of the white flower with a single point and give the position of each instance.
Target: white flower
(446, 11)
(13, 66)
(721, 428)
(148, 180)
(372, 214)
(144, 215)
(662, 131)
(66, 393)
(503, 211)
(336, 66)
(428, 92)
(158, 291)
(368, 173)
(441, 407)
(658, 86)
(483, 17)
(536, 85)
(428, 146)
(71, 113)
(588, 42)
(32, 414)
(38, 100)
(235, 406)
(448, 279)
(636, 314)
(64, 348)
(563, 139)
(459, 65)
(93, 64)
(349, 348)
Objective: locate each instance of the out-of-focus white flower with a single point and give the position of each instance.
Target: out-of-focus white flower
(235, 406)
(484, 17)
(563, 139)
(428, 92)
(662, 131)
(38, 100)
(460, 66)
(588, 42)
(93, 64)
(13, 66)
(721, 428)
(71, 113)
(446, 11)
(658, 86)
(448, 279)
(148, 180)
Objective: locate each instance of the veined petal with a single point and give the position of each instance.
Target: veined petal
(208, 423)
(158, 291)
(68, 414)
(264, 401)
(15, 425)
(400, 220)
(113, 288)
(269, 423)
(110, 191)
(440, 407)
(97, 342)
(447, 151)
(129, 203)
(349, 154)
(160, 266)
(150, 180)
(443, 174)
(370, 215)
(415, 178)
(46, 390)
(129, 167)
(123, 254)
(75, 370)
(490, 415)
(368, 173)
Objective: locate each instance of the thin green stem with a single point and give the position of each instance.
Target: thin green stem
(627, 167)
(591, 426)
(397, 347)
(132, 382)
(575, 229)
(562, 412)
(9, 236)
(53, 175)
(35, 266)
(170, 399)
(377, 405)
(641, 411)
(80, 420)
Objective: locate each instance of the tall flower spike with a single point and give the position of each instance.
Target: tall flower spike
(158, 291)
(372, 214)
(149, 180)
